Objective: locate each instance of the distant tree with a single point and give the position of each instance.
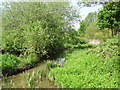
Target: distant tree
(82, 28)
(91, 17)
(109, 17)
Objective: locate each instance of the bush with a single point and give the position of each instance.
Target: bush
(35, 39)
(9, 63)
(41, 32)
(12, 41)
(28, 59)
(91, 30)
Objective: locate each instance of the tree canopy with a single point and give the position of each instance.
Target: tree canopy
(36, 27)
(108, 17)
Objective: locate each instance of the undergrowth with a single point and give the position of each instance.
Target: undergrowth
(86, 68)
(10, 63)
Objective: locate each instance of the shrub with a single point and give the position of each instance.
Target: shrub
(41, 32)
(35, 39)
(28, 59)
(91, 30)
(12, 41)
(9, 63)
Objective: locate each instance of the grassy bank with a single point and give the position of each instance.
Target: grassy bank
(12, 64)
(87, 68)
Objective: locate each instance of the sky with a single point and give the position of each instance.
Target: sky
(84, 11)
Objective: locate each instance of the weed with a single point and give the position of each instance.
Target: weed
(86, 70)
(33, 80)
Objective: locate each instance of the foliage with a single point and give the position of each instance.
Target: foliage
(93, 32)
(89, 3)
(51, 64)
(9, 63)
(12, 41)
(82, 70)
(74, 38)
(107, 49)
(109, 17)
(35, 39)
(91, 17)
(18, 14)
(82, 28)
(28, 60)
(35, 28)
(33, 80)
(10, 83)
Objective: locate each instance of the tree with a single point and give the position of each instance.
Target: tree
(91, 17)
(109, 17)
(36, 27)
(82, 28)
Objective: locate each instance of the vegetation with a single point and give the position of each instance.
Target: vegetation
(9, 63)
(109, 17)
(33, 79)
(91, 17)
(108, 49)
(93, 32)
(87, 70)
(36, 31)
(96, 67)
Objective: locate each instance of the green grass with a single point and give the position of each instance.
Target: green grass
(10, 63)
(82, 70)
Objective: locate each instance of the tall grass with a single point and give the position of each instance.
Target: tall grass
(33, 80)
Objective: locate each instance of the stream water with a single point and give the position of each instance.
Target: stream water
(18, 80)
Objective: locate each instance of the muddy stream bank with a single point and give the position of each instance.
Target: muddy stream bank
(18, 80)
